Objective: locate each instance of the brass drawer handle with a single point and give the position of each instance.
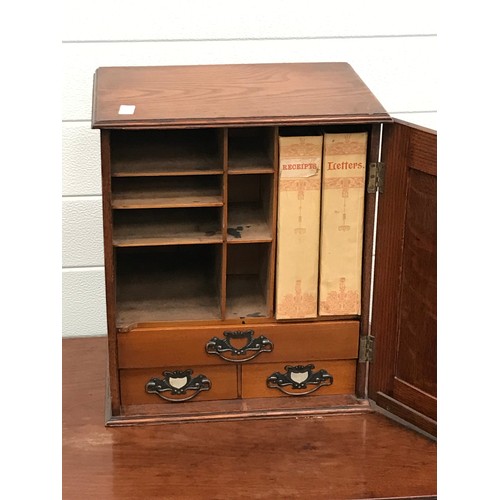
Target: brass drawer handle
(299, 377)
(254, 347)
(178, 383)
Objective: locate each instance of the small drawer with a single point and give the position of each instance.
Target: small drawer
(306, 341)
(147, 347)
(173, 383)
(298, 379)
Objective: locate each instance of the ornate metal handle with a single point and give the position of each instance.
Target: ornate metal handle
(253, 346)
(299, 377)
(177, 383)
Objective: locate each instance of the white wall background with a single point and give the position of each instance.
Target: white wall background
(391, 44)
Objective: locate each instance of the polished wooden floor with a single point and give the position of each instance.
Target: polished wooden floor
(364, 456)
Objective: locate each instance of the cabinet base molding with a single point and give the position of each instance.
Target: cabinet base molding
(254, 409)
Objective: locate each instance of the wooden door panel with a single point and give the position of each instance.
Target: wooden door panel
(403, 375)
(416, 362)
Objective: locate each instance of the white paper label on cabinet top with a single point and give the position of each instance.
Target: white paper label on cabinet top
(126, 109)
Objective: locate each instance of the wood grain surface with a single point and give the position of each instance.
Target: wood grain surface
(177, 96)
(254, 379)
(174, 226)
(363, 456)
(167, 192)
(109, 268)
(132, 384)
(151, 347)
(403, 378)
(368, 236)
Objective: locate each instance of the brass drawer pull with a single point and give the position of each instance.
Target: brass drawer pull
(299, 377)
(253, 346)
(178, 383)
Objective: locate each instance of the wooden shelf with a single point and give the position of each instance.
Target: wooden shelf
(174, 284)
(245, 297)
(247, 281)
(250, 150)
(166, 227)
(160, 168)
(250, 169)
(166, 152)
(250, 163)
(167, 192)
(250, 208)
(248, 223)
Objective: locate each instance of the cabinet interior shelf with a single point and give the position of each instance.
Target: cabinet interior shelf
(250, 208)
(168, 284)
(167, 227)
(250, 169)
(162, 170)
(251, 150)
(245, 297)
(248, 222)
(172, 191)
(182, 282)
(169, 192)
(247, 283)
(166, 152)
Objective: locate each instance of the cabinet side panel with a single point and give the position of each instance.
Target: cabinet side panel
(109, 270)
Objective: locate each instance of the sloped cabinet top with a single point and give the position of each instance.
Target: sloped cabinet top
(230, 95)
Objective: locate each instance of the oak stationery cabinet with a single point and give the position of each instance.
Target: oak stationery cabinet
(191, 188)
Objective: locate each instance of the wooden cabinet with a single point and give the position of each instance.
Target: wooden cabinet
(190, 158)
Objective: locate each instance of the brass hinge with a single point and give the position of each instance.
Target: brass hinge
(376, 177)
(366, 348)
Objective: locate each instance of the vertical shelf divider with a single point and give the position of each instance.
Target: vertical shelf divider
(223, 287)
(274, 217)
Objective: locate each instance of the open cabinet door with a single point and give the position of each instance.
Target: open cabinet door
(402, 377)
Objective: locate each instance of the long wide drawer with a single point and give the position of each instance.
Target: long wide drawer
(149, 347)
(267, 380)
(175, 385)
